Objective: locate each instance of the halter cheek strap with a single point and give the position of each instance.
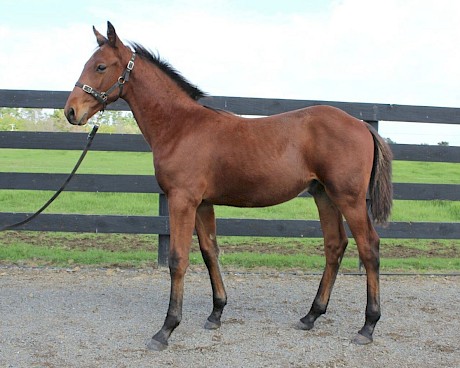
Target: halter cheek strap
(103, 96)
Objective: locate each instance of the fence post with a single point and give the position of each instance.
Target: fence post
(374, 124)
(163, 240)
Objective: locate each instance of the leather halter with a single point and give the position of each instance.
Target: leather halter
(103, 96)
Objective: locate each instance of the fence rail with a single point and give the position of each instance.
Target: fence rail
(233, 227)
(258, 106)
(148, 184)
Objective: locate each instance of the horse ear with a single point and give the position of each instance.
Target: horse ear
(100, 38)
(112, 35)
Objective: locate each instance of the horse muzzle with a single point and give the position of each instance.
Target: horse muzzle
(73, 118)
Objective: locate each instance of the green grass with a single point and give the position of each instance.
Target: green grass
(57, 161)
(426, 172)
(27, 254)
(316, 263)
(426, 211)
(41, 255)
(142, 204)
(134, 250)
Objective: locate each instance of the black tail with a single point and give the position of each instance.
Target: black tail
(380, 186)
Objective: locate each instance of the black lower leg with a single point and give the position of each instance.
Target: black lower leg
(218, 290)
(373, 305)
(159, 341)
(316, 310)
(371, 320)
(162, 336)
(173, 318)
(216, 314)
(321, 301)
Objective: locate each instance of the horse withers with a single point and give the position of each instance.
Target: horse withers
(205, 157)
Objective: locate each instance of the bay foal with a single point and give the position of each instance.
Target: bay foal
(204, 157)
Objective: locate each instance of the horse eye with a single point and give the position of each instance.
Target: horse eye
(101, 67)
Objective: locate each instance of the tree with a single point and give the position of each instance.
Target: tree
(53, 120)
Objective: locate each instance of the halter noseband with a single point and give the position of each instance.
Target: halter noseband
(103, 96)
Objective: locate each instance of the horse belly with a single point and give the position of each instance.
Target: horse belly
(259, 192)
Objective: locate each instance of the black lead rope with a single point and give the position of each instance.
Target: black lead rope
(77, 165)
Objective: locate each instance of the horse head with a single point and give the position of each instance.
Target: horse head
(107, 70)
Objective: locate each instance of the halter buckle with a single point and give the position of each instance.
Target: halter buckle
(87, 88)
(130, 65)
(104, 96)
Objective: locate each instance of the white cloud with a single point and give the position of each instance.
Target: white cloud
(402, 52)
(48, 59)
(392, 51)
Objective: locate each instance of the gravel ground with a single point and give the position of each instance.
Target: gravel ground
(102, 318)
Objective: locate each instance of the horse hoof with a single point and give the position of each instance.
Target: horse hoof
(154, 345)
(362, 340)
(212, 325)
(304, 326)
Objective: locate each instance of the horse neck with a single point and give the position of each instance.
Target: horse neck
(158, 104)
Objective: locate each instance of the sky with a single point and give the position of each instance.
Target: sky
(375, 51)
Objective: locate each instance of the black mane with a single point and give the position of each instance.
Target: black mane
(193, 91)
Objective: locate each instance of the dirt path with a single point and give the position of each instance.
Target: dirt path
(102, 318)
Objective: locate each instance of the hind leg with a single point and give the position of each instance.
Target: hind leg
(368, 243)
(206, 231)
(335, 243)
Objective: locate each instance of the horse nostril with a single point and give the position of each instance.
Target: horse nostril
(71, 115)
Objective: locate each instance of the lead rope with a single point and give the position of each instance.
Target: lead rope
(77, 165)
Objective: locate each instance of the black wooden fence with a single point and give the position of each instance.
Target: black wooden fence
(233, 227)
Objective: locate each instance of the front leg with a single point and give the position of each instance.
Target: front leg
(182, 222)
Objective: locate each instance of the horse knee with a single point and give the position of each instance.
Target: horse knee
(178, 264)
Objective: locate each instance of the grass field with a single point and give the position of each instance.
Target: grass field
(58, 249)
